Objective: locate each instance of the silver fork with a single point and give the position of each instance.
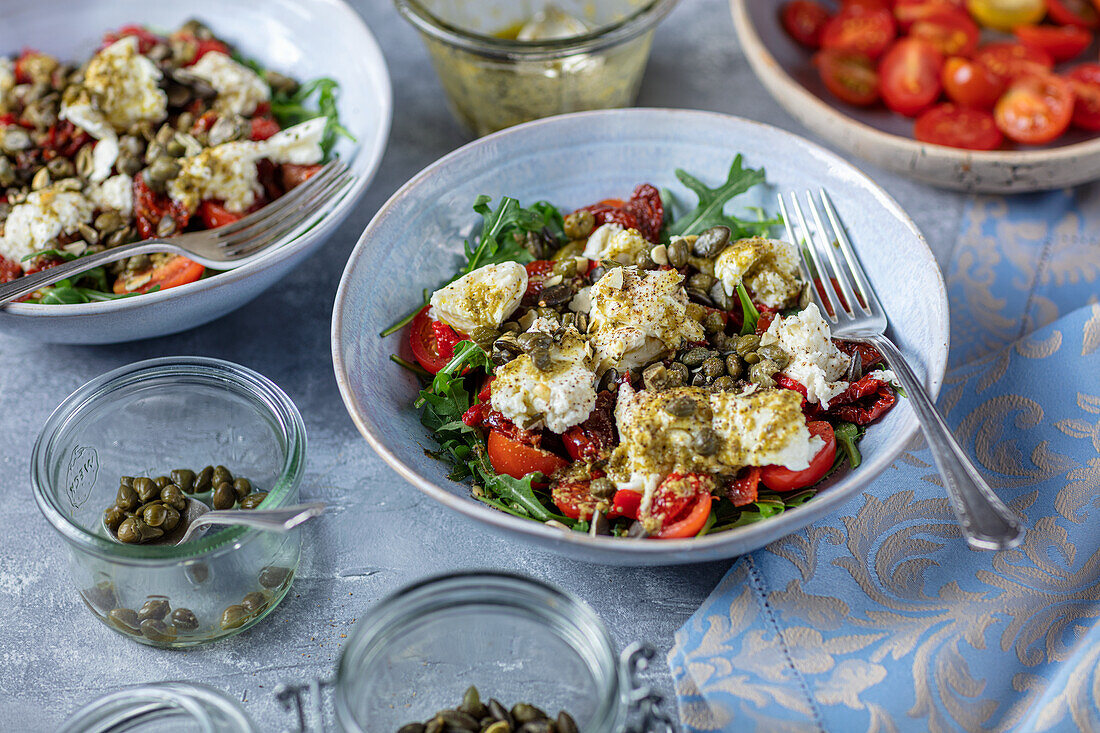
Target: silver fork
(224, 248)
(986, 522)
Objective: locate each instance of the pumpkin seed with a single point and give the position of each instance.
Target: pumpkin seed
(717, 294)
(15, 139)
(602, 488)
(707, 442)
(678, 252)
(680, 406)
(166, 227)
(598, 526)
(712, 241)
(41, 179)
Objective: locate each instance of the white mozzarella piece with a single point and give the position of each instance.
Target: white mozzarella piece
(484, 297)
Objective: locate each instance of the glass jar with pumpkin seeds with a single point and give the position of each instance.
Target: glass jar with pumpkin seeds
(142, 419)
(503, 62)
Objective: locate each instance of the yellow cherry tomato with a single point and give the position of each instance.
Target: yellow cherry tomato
(1005, 15)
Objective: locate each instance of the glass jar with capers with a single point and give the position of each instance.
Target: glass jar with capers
(178, 411)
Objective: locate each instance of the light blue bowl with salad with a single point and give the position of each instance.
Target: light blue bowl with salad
(305, 40)
(415, 244)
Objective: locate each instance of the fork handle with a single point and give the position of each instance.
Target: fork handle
(27, 284)
(986, 522)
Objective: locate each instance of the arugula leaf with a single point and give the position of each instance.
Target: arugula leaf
(292, 109)
(752, 315)
(847, 437)
(710, 211)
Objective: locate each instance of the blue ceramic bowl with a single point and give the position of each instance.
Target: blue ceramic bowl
(303, 38)
(415, 241)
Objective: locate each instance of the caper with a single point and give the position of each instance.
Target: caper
(711, 242)
(156, 608)
(145, 488)
(694, 357)
(243, 487)
(233, 617)
(751, 358)
(128, 532)
(171, 519)
(155, 630)
(124, 618)
(733, 366)
(534, 340)
(713, 367)
(579, 224)
(761, 373)
(746, 344)
(224, 496)
(273, 576)
(197, 572)
(566, 724)
(774, 353)
(484, 336)
(707, 442)
(678, 372)
(253, 500)
(164, 168)
(602, 488)
(203, 480)
(655, 377)
(700, 281)
(542, 360)
(644, 261)
(714, 322)
(129, 164)
(221, 475)
(184, 619)
(154, 514)
(172, 495)
(723, 384)
(127, 498)
(680, 406)
(567, 268)
(185, 479)
(254, 601)
(113, 516)
(101, 596)
(162, 481)
(60, 168)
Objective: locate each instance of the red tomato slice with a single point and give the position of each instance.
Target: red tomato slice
(1010, 60)
(516, 459)
(1080, 13)
(432, 342)
(778, 478)
(1085, 80)
(1063, 42)
(293, 175)
(971, 84)
(951, 32)
(682, 503)
(691, 524)
(958, 127)
(907, 12)
(804, 21)
(169, 274)
(206, 46)
(625, 503)
(214, 215)
(1035, 109)
(573, 498)
(864, 30)
(851, 77)
(909, 76)
(263, 128)
(538, 272)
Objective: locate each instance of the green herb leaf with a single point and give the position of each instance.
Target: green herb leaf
(710, 211)
(752, 316)
(847, 437)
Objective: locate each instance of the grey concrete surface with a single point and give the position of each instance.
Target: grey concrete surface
(54, 656)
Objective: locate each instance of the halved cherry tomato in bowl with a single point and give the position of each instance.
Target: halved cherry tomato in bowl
(909, 76)
(573, 498)
(863, 30)
(1081, 13)
(682, 504)
(908, 12)
(1035, 109)
(432, 342)
(778, 478)
(625, 503)
(1062, 42)
(958, 127)
(1005, 15)
(517, 459)
(804, 21)
(951, 32)
(171, 273)
(1085, 80)
(851, 77)
(971, 84)
(214, 214)
(1009, 60)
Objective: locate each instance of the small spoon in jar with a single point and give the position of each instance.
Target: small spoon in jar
(197, 517)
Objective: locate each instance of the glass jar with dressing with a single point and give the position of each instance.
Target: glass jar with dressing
(503, 62)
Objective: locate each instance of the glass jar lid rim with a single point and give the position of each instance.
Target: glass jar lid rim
(210, 709)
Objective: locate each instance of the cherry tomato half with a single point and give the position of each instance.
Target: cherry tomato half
(573, 498)
(1035, 109)
(432, 342)
(1080, 13)
(778, 478)
(169, 274)
(1063, 42)
(1009, 60)
(972, 84)
(909, 76)
(950, 32)
(215, 215)
(907, 12)
(682, 503)
(517, 459)
(1006, 15)
(958, 127)
(804, 21)
(293, 175)
(1085, 80)
(851, 77)
(862, 30)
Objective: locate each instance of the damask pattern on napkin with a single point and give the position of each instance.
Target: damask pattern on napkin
(880, 619)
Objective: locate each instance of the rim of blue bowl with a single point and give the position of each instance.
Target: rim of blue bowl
(664, 550)
(375, 147)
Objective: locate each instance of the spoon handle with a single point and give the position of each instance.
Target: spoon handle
(282, 519)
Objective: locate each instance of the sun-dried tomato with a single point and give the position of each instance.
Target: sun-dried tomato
(594, 437)
(645, 204)
(605, 214)
(868, 355)
(496, 421)
(745, 488)
(150, 207)
(63, 139)
(146, 38)
(863, 402)
(9, 270)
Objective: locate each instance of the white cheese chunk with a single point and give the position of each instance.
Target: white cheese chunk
(816, 362)
(124, 85)
(558, 398)
(484, 297)
(239, 88)
(636, 317)
(84, 115)
(46, 214)
(612, 242)
(115, 193)
(768, 267)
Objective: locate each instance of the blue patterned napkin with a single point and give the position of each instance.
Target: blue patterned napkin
(880, 618)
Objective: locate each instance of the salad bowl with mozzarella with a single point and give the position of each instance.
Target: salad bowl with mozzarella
(631, 380)
(144, 120)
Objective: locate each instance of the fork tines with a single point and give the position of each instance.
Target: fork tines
(834, 285)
